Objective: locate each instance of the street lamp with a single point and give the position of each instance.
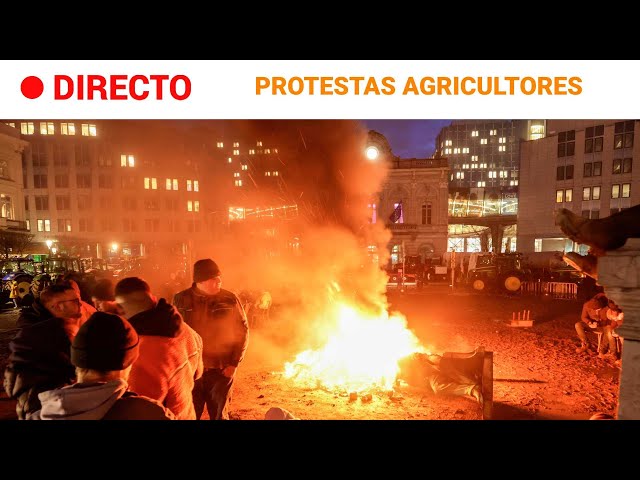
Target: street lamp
(49, 244)
(372, 153)
(114, 247)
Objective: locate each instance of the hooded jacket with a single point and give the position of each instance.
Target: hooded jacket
(39, 358)
(98, 401)
(170, 359)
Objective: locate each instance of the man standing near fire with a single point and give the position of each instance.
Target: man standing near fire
(217, 315)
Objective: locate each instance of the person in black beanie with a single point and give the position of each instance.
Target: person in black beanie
(102, 352)
(217, 315)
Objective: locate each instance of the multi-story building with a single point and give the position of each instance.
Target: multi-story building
(412, 204)
(585, 166)
(484, 157)
(111, 187)
(14, 235)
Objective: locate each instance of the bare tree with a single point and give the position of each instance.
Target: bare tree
(14, 242)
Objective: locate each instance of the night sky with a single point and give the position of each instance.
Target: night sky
(409, 138)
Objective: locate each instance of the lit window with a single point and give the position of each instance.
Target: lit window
(474, 133)
(615, 191)
(493, 132)
(448, 143)
(168, 184)
(267, 150)
(474, 158)
(238, 183)
(175, 184)
(127, 161)
(502, 148)
(482, 184)
(196, 206)
(245, 167)
(568, 195)
(236, 144)
(47, 128)
(27, 128)
(44, 225)
(513, 183)
(258, 143)
(502, 140)
(28, 222)
(460, 175)
(220, 144)
(252, 152)
(503, 174)
(483, 165)
(196, 187)
(150, 183)
(236, 174)
(465, 150)
(586, 193)
(236, 152)
(275, 174)
(89, 130)
(68, 128)
(559, 196)
(596, 193)
(229, 159)
(189, 206)
(189, 185)
(483, 141)
(492, 174)
(474, 165)
(456, 150)
(465, 166)
(626, 189)
(11, 124)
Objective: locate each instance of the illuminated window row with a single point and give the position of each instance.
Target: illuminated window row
(48, 128)
(193, 206)
(564, 195)
(151, 183)
(270, 174)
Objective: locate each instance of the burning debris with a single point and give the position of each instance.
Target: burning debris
(361, 355)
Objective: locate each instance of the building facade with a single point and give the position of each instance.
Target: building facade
(585, 166)
(14, 235)
(413, 205)
(110, 187)
(484, 158)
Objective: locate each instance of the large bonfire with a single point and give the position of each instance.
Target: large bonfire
(360, 353)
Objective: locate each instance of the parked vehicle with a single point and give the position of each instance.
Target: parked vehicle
(501, 272)
(19, 272)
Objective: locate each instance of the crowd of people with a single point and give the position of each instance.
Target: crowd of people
(127, 354)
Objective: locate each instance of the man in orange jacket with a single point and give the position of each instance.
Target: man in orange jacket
(170, 358)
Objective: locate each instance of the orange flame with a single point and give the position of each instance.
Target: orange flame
(361, 354)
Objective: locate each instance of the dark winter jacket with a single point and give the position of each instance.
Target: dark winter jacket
(39, 358)
(220, 320)
(170, 359)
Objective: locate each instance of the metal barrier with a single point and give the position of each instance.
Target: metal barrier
(563, 290)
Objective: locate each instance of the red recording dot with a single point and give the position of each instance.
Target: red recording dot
(32, 87)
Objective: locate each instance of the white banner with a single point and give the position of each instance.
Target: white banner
(319, 89)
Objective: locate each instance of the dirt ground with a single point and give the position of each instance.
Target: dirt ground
(537, 374)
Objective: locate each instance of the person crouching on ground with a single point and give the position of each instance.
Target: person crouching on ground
(102, 352)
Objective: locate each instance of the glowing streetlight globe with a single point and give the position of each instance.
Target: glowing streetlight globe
(49, 243)
(372, 153)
